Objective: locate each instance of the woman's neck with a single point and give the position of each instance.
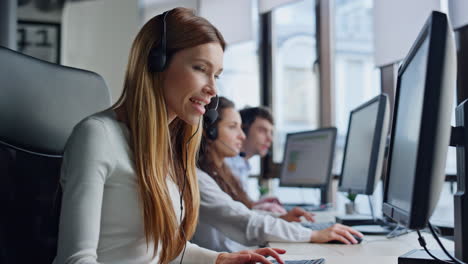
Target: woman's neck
(218, 160)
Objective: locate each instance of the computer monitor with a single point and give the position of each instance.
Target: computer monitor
(364, 150)
(421, 127)
(308, 158)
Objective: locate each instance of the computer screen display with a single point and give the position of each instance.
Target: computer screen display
(365, 146)
(308, 158)
(406, 136)
(421, 125)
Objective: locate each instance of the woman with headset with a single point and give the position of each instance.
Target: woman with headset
(227, 222)
(130, 193)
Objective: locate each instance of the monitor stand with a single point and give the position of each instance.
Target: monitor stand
(366, 224)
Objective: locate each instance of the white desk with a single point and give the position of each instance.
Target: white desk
(372, 250)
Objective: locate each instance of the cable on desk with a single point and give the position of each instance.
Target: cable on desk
(436, 237)
(422, 242)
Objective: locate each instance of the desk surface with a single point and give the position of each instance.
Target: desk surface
(373, 249)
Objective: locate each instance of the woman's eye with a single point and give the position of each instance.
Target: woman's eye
(216, 77)
(199, 68)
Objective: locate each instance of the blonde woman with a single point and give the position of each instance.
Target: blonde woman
(130, 192)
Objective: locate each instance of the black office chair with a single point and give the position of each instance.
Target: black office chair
(40, 103)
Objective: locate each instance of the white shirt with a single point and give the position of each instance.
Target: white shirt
(101, 218)
(228, 225)
(240, 168)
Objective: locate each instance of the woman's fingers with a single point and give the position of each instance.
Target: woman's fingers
(339, 237)
(348, 236)
(254, 258)
(354, 232)
(273, 252)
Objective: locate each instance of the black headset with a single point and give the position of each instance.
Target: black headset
(211, 132)
(209, 119)
(157, 58)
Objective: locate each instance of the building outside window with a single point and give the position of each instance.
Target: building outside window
(295, 80)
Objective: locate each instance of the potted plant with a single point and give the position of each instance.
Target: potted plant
(350, 206)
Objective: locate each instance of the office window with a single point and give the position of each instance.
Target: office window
(240, 78)
(295, 82)
(240, 83)
(356, 77)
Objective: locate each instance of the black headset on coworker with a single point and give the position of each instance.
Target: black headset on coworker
(211, 130)
(157, 62)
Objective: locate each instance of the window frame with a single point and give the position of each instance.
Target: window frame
(325, 44)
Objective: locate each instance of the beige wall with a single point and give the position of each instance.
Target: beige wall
(97, 36)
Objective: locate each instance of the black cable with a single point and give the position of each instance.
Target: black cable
(183, 189)
(442, 246)
(422, 242)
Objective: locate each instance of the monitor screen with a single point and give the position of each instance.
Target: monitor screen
(308, 158)
(406, 136)
(365, 146)
(421, 125)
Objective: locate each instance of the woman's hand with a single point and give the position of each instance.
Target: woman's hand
(270, 207)
(251, 256)
(295, 215)
(269, 199)
(336, 232)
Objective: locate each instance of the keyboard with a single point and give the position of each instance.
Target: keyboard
(307, 207)
(307, 261)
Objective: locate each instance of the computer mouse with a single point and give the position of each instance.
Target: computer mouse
(359, 240)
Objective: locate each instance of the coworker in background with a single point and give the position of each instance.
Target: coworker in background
(130, 193)
(227, 222)
(257, 124)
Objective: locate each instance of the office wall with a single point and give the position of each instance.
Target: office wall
(30, 12)
(151, 8)
(97, 36)
(267, 5)
(396, 26)
(233, 18)
(458, 13)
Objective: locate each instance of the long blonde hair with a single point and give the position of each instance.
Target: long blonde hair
(160, 148)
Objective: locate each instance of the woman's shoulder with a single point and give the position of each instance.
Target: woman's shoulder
(104, 117)
(201, 172)
(100, 123)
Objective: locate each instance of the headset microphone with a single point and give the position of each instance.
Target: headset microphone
(212, 114)
(242, 154)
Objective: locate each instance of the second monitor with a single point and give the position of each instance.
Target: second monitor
(364, 150)
(363, 158)
(308, 159)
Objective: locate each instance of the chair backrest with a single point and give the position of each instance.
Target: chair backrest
(40, 103)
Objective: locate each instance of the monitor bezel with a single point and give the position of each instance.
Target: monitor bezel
(382, 101)
(435, 31)
(333, 132)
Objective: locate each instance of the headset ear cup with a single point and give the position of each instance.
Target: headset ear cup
(212, 133)
(157, 60)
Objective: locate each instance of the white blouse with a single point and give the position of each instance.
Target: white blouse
(101, 218)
